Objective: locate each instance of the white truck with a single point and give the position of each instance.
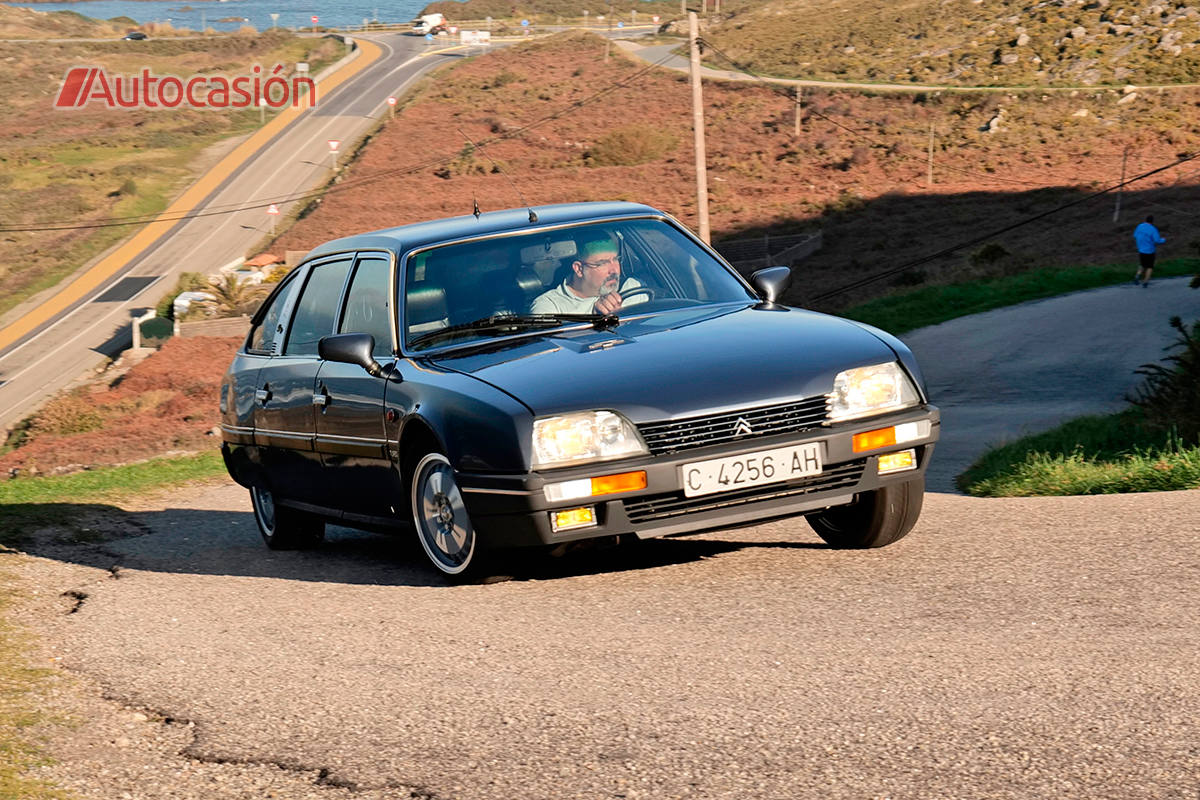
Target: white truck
(429, 23)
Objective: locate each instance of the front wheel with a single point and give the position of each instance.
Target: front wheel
(875, 519)
(284, 528)
(441, 519)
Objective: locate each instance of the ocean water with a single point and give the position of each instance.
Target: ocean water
(200, 13)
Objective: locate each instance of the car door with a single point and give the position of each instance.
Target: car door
(349, 402)
(284, 422)
(239, 398)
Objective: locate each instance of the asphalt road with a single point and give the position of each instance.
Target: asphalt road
(1006, 373)
(294, 161)
(1005, 649)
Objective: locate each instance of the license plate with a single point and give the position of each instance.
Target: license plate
(750, 469)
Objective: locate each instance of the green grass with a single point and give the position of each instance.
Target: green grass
(1089, 455)
(934, 304)
(20, 711)
(27, 503)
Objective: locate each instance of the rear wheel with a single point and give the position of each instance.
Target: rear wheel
(443, 525)
(284, 528)
(875, 519)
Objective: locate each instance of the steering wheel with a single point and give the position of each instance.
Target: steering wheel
(635, 291)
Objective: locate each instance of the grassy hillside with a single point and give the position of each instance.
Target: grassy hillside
(69, 166)
(967, 42)
(857, 169)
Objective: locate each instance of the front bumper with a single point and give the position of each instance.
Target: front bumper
(512, 510)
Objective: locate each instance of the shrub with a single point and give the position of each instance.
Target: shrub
(1170, 394)
(630, 145)
(990, 253)
(65, 415)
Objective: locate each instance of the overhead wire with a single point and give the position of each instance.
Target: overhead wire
(345, 185)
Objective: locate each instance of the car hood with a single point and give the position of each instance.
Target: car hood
(676, 364)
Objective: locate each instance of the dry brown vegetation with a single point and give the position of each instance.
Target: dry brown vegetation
(857, 170)
(967, 42)
(166, 403)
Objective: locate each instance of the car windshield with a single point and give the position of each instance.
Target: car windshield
(477, 290)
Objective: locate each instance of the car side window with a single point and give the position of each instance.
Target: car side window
(265, 336)
(368, 303)
(317, 307)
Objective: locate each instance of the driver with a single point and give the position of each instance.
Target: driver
(593, 282)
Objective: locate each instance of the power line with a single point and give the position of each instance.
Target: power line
(996, 232)
(346, 185)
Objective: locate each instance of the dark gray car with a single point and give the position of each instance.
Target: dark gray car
(460, 379)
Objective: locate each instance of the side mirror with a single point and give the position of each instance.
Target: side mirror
(771, 282)
(351, 348)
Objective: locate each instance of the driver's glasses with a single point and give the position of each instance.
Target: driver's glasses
(604, 262)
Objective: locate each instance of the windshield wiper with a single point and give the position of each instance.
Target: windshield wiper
(500, 322)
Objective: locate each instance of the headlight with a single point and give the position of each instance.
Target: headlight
(870, 390)
(583, 436)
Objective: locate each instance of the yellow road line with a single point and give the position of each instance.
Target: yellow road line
(186, 204)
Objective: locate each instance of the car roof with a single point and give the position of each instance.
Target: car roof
(407, 237)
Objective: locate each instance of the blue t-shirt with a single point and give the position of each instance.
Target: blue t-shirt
(1147, 238)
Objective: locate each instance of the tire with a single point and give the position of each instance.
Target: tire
(874, 519)
(440, 516)
(284, 528)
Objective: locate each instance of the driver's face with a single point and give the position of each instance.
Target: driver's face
(599, 273)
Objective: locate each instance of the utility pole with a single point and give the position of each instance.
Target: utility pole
(929, 172)
(799, 102)
(1121, 188)
(698, 130)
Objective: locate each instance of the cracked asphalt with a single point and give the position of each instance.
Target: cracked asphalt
(1040, 647)
(1016, 648)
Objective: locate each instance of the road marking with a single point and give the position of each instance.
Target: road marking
(284, 163)
(186, 204)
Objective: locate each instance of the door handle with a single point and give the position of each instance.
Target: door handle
(263, 395)
(320, 398)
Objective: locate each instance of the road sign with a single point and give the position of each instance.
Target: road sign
(272, 209)
(655, 18)
(620, 24)
(334, 144)
(314, 19)
(524, 23)
(391, 101)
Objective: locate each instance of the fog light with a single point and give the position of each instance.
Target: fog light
(570, 518)
(897, 462)
(592, 487)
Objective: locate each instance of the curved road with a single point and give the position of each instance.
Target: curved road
(1008, 649)
(47, 346)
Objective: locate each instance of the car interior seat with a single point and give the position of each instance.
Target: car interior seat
(425, 307)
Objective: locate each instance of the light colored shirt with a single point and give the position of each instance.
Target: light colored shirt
(1147, 238)
(561, 300)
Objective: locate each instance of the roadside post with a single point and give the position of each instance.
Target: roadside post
(391, 101)
(273, 212)
(585, 18)
(274, 18)
(525, 27)
(428, 39)
(262, 111)
(314, 24)
(334, 144)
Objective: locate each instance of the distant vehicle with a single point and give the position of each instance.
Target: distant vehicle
(135, 36)
(403, 380)
(429, 23)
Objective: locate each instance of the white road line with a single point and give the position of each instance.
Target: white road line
(284, 163)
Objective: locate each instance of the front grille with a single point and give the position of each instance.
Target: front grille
(674, 504)
(684, 434)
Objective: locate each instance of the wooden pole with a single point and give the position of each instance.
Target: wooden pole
(799, 100)
(929, 172)
(698, 130)
(1120, 189)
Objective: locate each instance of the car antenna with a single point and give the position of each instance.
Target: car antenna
(475, 204)
(532, 216)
